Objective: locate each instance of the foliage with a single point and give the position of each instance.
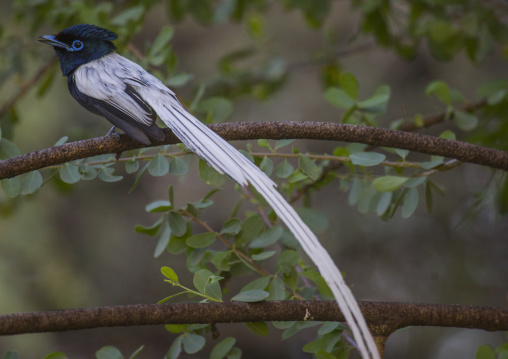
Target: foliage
(380, 181)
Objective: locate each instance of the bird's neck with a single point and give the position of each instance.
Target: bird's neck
(69, 63)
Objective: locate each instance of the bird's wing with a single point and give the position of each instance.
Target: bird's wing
(226, 159)
(109, 95)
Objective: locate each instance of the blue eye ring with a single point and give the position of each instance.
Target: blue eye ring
(77, 45)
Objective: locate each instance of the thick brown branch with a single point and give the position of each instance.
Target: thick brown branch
(462, 151)
(383, 318)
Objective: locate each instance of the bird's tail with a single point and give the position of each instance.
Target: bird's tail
(226, 159)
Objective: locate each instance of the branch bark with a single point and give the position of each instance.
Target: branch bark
(462, 151)
(383, 317)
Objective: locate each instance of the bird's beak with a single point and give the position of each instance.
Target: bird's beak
(51, 40)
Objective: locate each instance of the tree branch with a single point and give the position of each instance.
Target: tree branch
(462, 151)
(383, 317)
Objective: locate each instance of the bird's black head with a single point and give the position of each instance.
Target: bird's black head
(80, 44)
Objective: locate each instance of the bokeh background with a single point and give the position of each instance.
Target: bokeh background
(78, 248)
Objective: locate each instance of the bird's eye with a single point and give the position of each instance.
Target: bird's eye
(77, 45)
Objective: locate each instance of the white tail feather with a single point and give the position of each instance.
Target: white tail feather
(226, 159)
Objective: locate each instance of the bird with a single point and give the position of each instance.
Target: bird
(116, 88)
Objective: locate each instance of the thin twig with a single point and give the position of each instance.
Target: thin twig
(27, 86)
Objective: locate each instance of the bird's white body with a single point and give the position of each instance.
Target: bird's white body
(107, 78)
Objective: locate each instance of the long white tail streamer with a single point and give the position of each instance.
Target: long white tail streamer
(226, 159)
(117, 72)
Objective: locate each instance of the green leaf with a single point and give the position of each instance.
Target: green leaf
(179, 79)
(8, 149)
(108, 352)
(264, 143)
(316, 220)
(309, 167)
(163, 241)
(283, 325)
(485, 352)
(192, 343)
(502, 351)
(415, 182)
(276, 289)
(267, 238)
(235, 353)
(431, 164)
(319, 281)
(162, 40)
(31, 183)
(321, 354)
(87, 172)
(251, 227)
(158, 166)
(61, 141)
(328, 327)
(201, 279)
(201, 240)
(389, 183)
(136, 352)
(130, 14)
(11, 354)
(221, 349)
(178, 166)
(175, 349)
(177, 224)
(384, 203)
(158, 206)
(169, 273)
(106, 174)
(448, 135)
(259, 284)
(402, 153)
(210, 176)
(251, 296)
(284, 169)
(56, 355)
(410, 202)
(339, 98)
(312, 347)
(378, 102)
(220, 108)
(69, 173)
(349, 84)
(496, 97)
(287, 260)
(266, 166)
(282, 143)
(465, 121)
(441, 90)
(221, 260)
(367, 158)
(232, 226)
(258, 328)
(213, 288)
(11, 186)
(263, 255)
(152, 230)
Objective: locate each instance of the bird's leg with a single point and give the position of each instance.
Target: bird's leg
(117, 135)
(111, 131)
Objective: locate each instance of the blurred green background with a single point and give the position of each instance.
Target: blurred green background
(78, 248)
